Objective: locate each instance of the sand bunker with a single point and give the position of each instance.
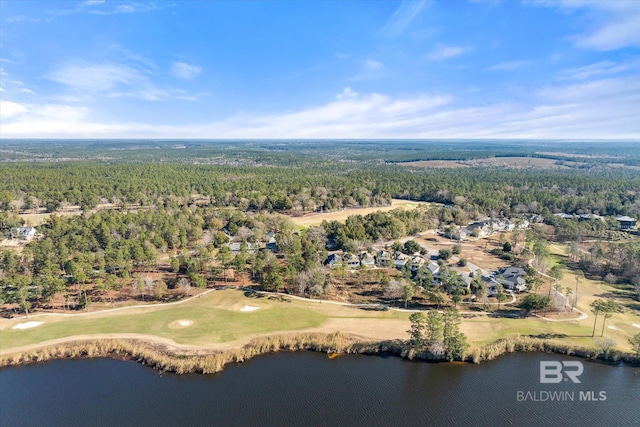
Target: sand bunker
(635, 325)
(27, 325)
(612, 327)
(249, 308)
(183, 323)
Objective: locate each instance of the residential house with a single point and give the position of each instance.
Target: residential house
(626, 222)
(333, 261)
(416, 262)
(536, 219)
(400, 259)
(563, 215)
(590, 217)
(366, 260)
(433, 268)
(236, 247)
(479, 229)
(271, 243)
(513, 278)
(353, 261)
(492, 285)
(25, 233)
(383, 258)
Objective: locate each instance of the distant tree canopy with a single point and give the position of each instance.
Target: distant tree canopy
(285, 181)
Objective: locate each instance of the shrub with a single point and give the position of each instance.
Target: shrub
(445, 254)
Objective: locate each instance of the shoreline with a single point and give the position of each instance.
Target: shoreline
(165, 357)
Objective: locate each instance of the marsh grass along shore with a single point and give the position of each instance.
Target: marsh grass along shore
(178, 360)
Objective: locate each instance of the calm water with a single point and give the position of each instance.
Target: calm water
(301, 389)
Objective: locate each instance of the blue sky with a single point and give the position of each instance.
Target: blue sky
(320, 69)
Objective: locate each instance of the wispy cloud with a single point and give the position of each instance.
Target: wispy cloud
(442, 53)
(614, 24)
(185, 71)
(604, 108)
(402, 17)
(372, 64)
(129, 8)
(114, 80)
(12, 86)
(99, 77)
(101, 7)
(509, 65)
(599, 69)
(370, 69)
(17, 19)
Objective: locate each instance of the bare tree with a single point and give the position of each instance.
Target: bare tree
(393, 289)
(149, 285)
(605, 345)
(244, 233)
(185, 285)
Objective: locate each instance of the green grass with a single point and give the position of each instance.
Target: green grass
(211, 325)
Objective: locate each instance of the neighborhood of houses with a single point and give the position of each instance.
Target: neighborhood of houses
(483, 228)
(510, 278)
(625, 222)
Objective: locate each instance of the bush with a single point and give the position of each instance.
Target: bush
(444, 254)
(411, 247)
(507, 247)
(456, 249)
(462, 262)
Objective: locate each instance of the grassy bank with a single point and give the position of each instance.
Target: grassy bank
(181, 361)
(517, 343)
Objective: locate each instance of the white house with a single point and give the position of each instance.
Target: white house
(25, 233)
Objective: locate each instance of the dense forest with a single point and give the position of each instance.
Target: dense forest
(489, 191)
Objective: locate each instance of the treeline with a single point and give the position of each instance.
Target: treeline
(309, 152)
(493, 192)
(358, 229)
(246, 188)
(615, 262)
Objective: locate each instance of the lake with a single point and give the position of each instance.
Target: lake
(306, 388)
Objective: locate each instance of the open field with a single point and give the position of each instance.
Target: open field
(472, 250)
(509, 162)
(317, 218)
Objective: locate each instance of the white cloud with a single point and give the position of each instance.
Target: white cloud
(402, 17)
(10, 109)
(114, 80)
(613, 23)
(347, 92)
(509, 65)
(442, 53)
(185, 71)
(96, 77)
(92, 2)
(596, 109)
